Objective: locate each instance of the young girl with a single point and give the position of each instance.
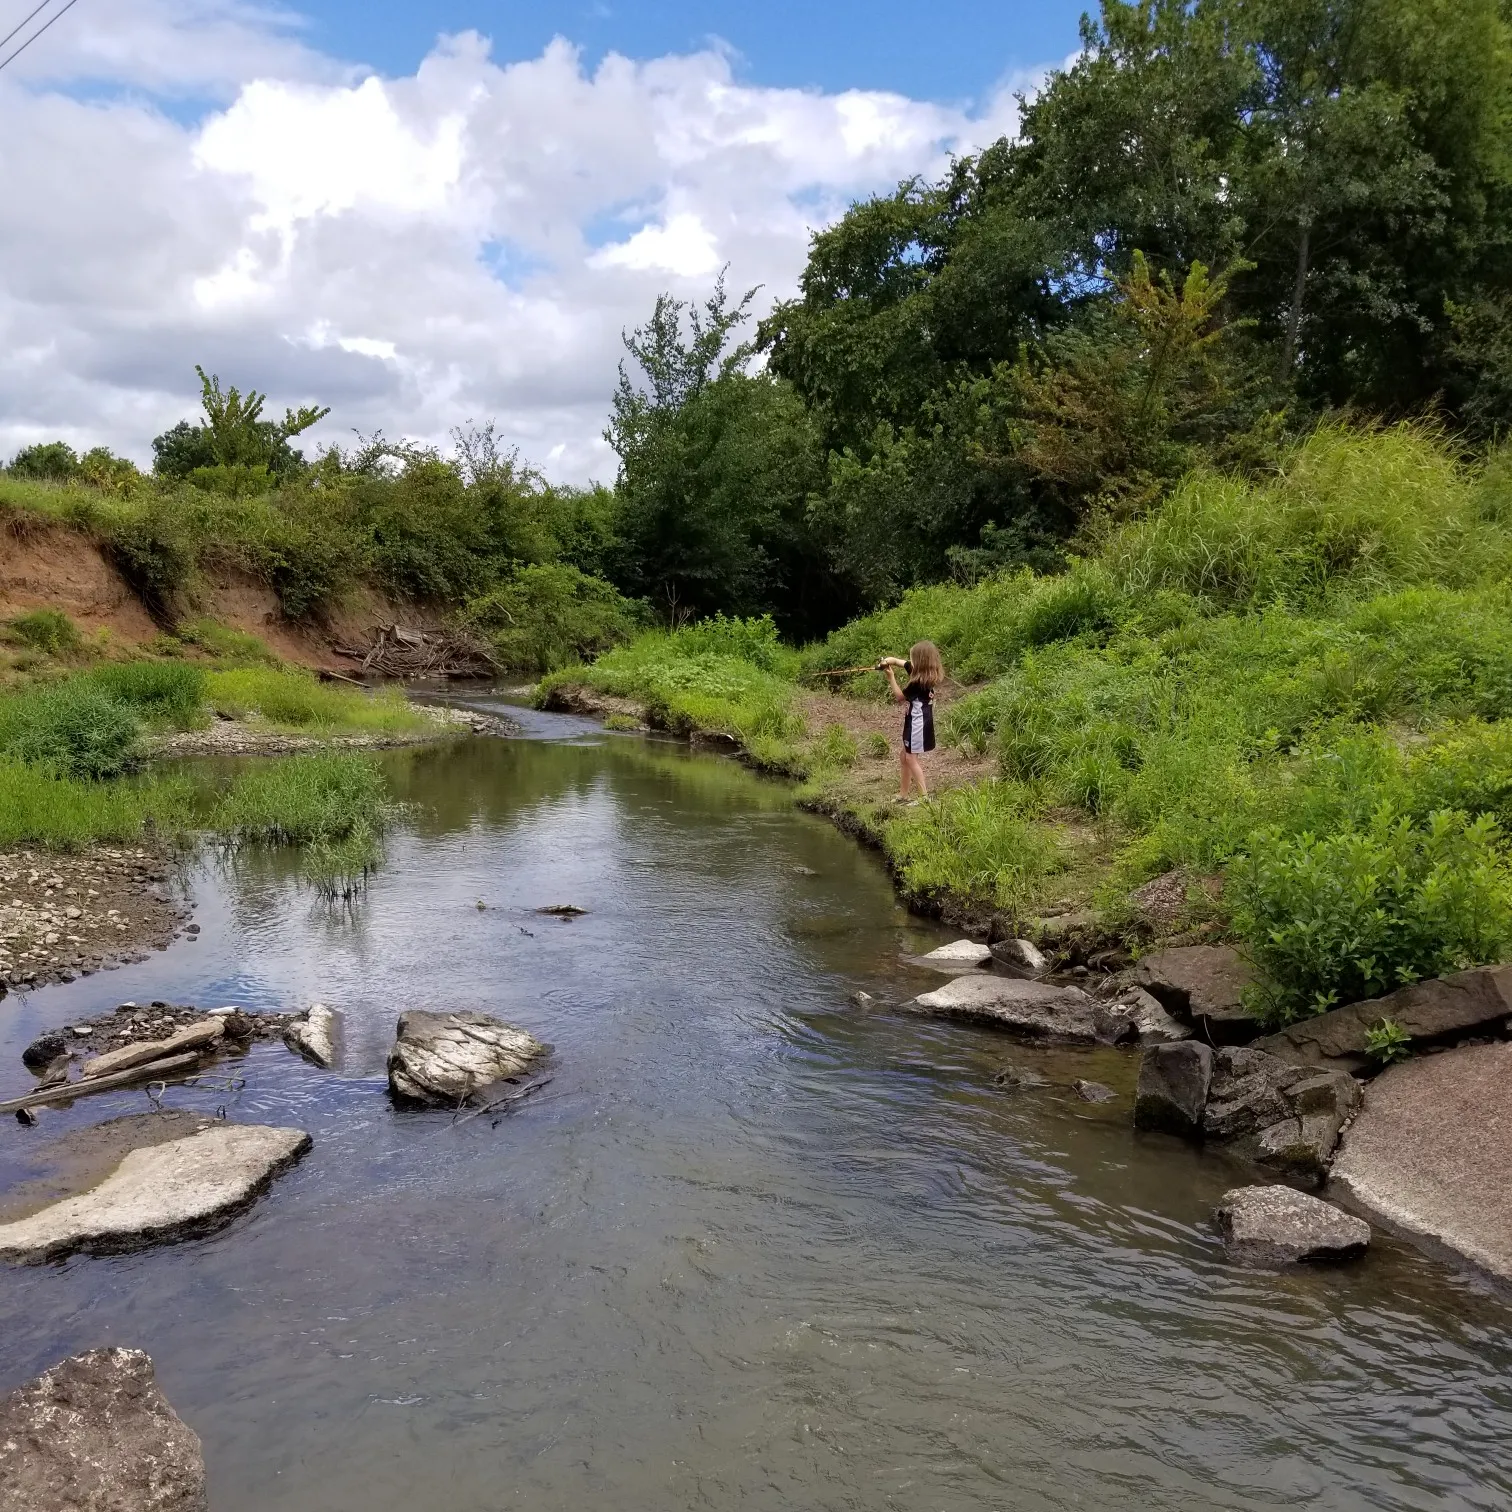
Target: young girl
(925, 675)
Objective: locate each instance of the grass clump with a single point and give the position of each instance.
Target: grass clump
(170, 695)
(71, 728)
(49, 631)
(40, 807)
(335, 806)
(227, 644)
(974, 846)
(294, 699)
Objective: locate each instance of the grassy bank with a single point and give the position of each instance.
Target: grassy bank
(1291, 692)
(74, 735)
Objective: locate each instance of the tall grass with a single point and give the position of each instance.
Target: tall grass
(334, 806)
(72, 728)
(40, 808)
(294, 699)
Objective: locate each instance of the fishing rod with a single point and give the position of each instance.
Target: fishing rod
(846, 671)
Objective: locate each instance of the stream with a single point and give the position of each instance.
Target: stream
(754, 1246)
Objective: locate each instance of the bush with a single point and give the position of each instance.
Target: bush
(1351, 916)
(550, 616)
(48, 630)
(170, 694)
(227, 644)
(72, 728)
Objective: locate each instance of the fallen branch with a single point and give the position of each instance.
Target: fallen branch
(506, 1100)
(171, 1067)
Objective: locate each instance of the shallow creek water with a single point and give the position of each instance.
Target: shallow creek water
(753, 1247)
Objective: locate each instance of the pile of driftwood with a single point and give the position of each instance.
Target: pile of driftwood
(400, 652)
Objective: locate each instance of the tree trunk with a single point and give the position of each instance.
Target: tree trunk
(1294, 315)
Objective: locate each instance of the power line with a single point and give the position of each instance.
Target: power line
(12, 58)
(22, 22)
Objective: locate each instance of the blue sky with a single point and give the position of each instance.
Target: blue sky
(324, 200)
(946, 50)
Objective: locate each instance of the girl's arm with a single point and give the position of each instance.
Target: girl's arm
(889, 664)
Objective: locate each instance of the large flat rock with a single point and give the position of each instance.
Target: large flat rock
(1439, 1008)
(1037, 1010)
(129, 1187)
(1431, 1151)
(94, 1434)
(448, 1057)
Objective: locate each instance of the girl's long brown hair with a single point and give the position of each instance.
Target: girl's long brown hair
(924, 664)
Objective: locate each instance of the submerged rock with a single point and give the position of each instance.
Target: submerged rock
(314, 1036)
(46, 1049)
(1202, 984)
(1034, 1009)
(1431, 1150)
(447, 1057)
(1093, 1092)
(1275, 1225)
(94, 1434)
(158, 1192)
(1019, 1079)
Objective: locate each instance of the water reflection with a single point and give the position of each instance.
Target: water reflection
(753, 1246)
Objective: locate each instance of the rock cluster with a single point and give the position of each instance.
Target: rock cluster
(1203, 985)
(65, 916)
(136, 1023)
(1285, 1116)
(94, 1434)
(1274, 1226)
(255, 737)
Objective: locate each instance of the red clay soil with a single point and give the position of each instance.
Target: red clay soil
(57, 568)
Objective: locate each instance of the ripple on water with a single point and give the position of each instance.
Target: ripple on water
(753, 1246)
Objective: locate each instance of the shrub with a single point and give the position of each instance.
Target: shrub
(171, 694)
(227, 644)
(550, 616)
(73, 728)
(1351, 916)
(48, 630)
(1387, 1042)
(749, 640)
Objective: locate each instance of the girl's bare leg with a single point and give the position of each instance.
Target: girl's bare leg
(916, 771)
(904, 773)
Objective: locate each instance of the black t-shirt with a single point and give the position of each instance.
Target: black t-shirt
(918, 718)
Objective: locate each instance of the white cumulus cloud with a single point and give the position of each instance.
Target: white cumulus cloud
(465, 242)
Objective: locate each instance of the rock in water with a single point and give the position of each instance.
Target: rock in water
(1203, 984)
(45, 1049)
(1431, 1150)
(1173, 1087)
(94, 1434)
(1093, 1092)
(1134, 1017)
(447, 1057)
(1020, 955)
(957, 954)
(200, 1036)
(314, 1036)
(1274, 1225)
(159, 1193)
(1037, 1010)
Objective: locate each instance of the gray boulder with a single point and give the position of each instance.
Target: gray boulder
(1274, 1226)
(1020, 956)
(1173, 1088)
(94, 1434)
(1274, 1111)
(955, 955)
(451, 1057)
(1431, 1150)
(314, 1036)
(1036, 1010)
(1202, 985)
(1135, 1018)
(1437, 1010)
